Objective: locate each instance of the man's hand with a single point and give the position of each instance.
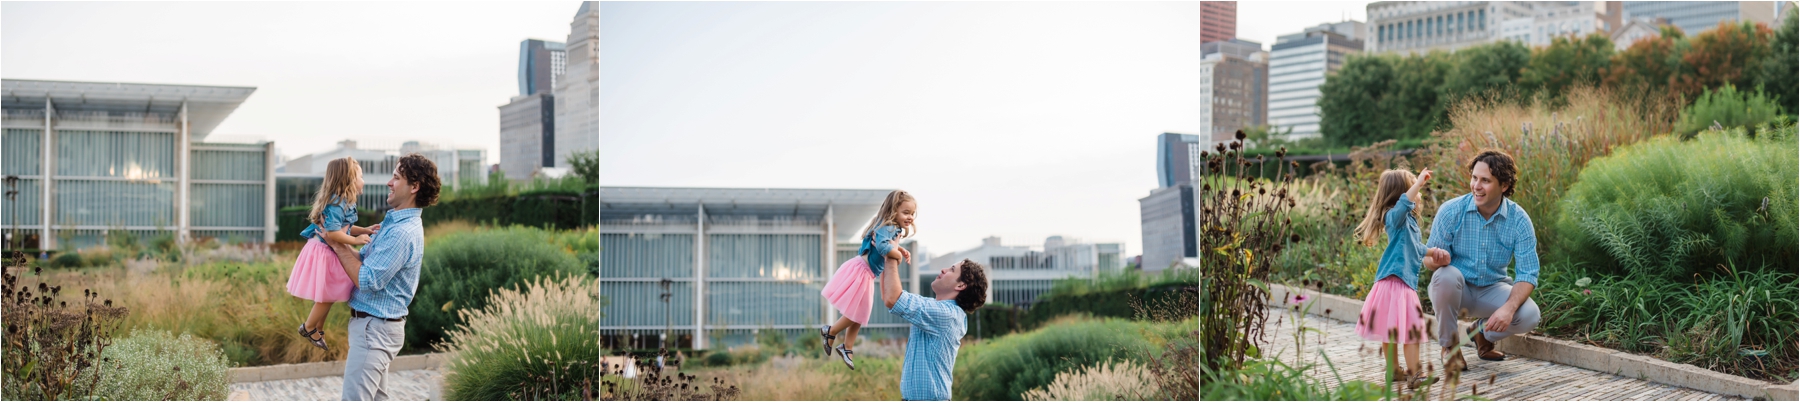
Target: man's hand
(1436, 257)
(1501, 319)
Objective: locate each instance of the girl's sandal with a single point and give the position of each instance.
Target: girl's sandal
(824, 332)
(846, 354)
(316, 341)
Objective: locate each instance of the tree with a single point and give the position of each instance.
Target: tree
(1346, 99)
(1778, 77)
(1647, 65)
(1484, 68)
(1566, 62)
(585, 165)
(1728, 54)
(1267, 137)
(1415, 105)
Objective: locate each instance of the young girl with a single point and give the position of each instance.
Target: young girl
(318, 275)
(1391, 313)
(849, 289)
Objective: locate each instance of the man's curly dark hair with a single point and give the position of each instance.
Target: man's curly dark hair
(975, 286)
(422, 172)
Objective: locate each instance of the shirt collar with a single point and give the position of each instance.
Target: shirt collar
(401, 215)
(1471, 207)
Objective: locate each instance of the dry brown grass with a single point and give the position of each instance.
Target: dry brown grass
(449, 227)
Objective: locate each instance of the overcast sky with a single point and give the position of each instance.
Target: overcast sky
(323, 71)
(1018, 120)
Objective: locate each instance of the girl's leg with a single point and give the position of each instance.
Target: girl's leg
(1412, 358)
(839, 326)
(850, 337)
(317, 318)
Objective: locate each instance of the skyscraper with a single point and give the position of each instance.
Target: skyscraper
(1218, 21)
(1177, 157)
(1234, 87)
(577, 105)
(539, 64)
(1298, 64)
(527, 135)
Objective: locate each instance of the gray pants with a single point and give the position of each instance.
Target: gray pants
(373, 344)
(1450, 294)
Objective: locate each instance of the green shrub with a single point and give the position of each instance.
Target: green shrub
(548, 209)
(539, 343)
(1673, 208)
(153, 365)
(489, 210)
(1741, 323)
(1730, 108)
(1005, 368)
(1113, 303)
(461, 269)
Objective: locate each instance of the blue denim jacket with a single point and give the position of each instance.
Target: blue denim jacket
(337, 215)
(1405, 254)
(876, 246)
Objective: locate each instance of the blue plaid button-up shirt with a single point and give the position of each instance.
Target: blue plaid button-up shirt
(937, 330)
(1481, 248)
(390, 270)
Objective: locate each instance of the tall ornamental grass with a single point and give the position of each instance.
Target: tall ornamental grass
(541, 342)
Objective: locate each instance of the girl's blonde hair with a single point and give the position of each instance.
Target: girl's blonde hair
(1388, 191)
(890, 214)
(337, 183)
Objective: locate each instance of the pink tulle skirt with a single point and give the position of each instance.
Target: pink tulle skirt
(319, 276)
(850, 290)
(1392, 305)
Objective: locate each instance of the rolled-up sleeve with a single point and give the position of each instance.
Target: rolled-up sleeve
(915, 309)
(1525, 255)
(884, 241)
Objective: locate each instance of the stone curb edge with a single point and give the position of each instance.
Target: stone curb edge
(1575, 354)
(328, 369)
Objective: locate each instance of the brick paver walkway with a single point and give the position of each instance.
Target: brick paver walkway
(411, 385)
(1517, 378)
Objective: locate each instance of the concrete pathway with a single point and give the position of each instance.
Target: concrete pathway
(1517, 378)
(411, 385)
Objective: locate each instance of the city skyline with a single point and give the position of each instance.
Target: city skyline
(378, 73)
(1018, 120)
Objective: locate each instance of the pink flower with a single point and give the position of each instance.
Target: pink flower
(1298, 299)
(1587, 291)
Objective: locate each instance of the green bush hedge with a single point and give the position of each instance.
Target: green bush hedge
(490, 210)
(153, 365)
(1672, 208)
(1115, 303)
(461, 269)
(548, 209)
(537, 343)
(1005, 368)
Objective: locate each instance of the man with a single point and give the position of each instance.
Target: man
(1479, 234)
(386, 274)
(937, 325)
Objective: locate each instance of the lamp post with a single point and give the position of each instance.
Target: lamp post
(12, 195)
(668, 314)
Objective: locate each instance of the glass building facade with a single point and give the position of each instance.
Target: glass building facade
(92, 158)
(738, 262)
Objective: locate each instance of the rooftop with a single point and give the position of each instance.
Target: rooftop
(207, 105)
(850, 209)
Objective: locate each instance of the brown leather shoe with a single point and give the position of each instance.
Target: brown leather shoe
(1484, 349)
(1453, 361)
